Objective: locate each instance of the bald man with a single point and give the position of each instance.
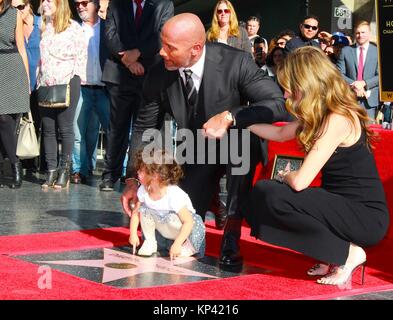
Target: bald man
(223, 80)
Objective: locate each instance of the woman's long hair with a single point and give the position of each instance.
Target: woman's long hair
(214, 31)
(4, 5)
(317, 89)
(27, 3)
(62, 16)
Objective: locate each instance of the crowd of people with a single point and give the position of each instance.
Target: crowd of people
(128, 73)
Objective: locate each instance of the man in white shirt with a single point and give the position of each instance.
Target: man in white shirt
(93, 107)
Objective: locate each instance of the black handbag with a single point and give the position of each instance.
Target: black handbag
(57, 96)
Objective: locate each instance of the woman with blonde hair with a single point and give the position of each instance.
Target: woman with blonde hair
(14, 86)
(225, 27)
(348, 212)
(63, 61)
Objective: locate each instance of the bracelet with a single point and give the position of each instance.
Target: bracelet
(128, 181)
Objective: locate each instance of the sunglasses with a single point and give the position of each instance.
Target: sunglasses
(21, 7)
(221, 11)
(307, 26)
(82, 3)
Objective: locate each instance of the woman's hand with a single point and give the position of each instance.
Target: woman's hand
(282, 173)
(289, 177)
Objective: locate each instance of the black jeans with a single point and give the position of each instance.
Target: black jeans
(60, 119)
(8, 137)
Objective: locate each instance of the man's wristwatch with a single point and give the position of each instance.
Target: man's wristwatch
(229, 117)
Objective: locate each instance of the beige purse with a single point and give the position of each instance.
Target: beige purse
(27, 145)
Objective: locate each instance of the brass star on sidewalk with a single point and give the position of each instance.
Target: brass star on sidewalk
(118, 265)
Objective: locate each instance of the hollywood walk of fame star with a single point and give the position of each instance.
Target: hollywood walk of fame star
(117, 265)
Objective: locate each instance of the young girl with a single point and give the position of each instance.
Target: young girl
(164, 210)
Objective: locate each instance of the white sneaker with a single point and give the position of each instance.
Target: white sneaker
(148, 248)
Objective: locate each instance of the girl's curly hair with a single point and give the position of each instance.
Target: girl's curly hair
(159, 162)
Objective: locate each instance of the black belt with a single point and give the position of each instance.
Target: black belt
(11, 50)
(93, 86)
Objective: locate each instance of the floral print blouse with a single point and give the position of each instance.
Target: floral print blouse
(63, 55)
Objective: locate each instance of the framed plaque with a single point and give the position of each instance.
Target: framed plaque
(283, 161)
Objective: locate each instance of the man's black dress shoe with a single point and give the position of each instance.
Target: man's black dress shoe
(230, 251)
(106, 185)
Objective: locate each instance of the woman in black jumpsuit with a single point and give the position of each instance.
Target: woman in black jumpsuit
(348, 212)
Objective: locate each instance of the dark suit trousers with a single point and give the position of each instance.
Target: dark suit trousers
(124, 103)
(201, 181)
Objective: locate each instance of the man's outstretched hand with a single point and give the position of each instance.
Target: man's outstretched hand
(129, 197)
(217, 126)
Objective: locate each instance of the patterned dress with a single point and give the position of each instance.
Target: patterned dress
(166, 220)
(14, 84)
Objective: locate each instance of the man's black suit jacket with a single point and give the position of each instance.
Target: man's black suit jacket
(103, 49)
(121, 35)
(230, 79)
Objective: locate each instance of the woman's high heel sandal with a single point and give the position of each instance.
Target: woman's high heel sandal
(319, 269)
(50, 180)
(63, 178)
(342, 276)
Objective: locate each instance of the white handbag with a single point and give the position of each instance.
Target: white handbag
(27, 146)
